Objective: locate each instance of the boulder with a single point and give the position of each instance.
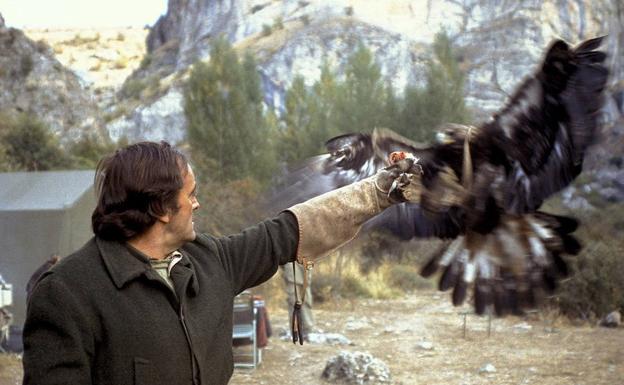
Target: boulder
(356, 368)
(612, 320)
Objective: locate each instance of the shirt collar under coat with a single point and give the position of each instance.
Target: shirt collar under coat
(124, 267)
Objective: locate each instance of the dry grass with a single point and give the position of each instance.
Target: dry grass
(10, 369)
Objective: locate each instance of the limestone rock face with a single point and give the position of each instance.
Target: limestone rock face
(498, 42)
(33, 81)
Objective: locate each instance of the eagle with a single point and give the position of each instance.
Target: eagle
(481, 187)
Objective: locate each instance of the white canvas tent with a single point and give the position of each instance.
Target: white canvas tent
(41, 213)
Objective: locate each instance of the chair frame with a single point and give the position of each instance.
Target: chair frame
(247, 330)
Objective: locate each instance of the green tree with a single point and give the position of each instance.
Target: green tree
(295, 139)
(323, 106)
(88, 150)
(361, 97)
(310, 117)
(227, 133)
(442, 100)
(390, 117)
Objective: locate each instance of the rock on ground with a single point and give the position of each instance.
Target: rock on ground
(356, 368)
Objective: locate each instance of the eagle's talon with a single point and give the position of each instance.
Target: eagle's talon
(394, 186)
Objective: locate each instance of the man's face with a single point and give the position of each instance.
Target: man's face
(181, 225)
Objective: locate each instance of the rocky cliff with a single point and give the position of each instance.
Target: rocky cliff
(33, 81)
(499, 42)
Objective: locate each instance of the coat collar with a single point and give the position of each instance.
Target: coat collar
(124, 267)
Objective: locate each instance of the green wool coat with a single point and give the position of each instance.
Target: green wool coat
(104, 316)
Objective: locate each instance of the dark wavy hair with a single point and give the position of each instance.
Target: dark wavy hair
(134, 186)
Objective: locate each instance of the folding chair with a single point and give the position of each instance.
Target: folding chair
(244, 331)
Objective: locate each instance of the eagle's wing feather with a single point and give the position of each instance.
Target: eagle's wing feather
(545, 129)
(531, 149)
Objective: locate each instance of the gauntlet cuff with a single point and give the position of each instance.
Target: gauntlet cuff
(330, 220)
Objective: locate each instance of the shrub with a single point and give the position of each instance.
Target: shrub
(266, 30)
(96, 67)
(26, 65)
(596, 284)
(120, 63)
(42, 46)
(278, 23)
(133, 88)
(29, 145)
(353, 287)
(406, 278)
(146, 61)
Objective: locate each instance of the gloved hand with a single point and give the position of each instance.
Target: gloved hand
(328, 221)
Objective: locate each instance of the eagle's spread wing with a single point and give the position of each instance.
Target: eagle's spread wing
(548, 124)
(483, 185)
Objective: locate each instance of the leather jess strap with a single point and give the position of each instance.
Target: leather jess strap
(296, 326)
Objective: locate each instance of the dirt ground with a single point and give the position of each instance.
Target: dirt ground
(531, 350)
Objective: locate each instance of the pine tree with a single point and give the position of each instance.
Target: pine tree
(391, 111)
(361, 97)
(227, 132)
(442, 99)
(295, 141)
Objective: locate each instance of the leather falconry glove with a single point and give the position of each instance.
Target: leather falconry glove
(328, 221)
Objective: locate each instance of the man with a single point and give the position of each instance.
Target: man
(147, 300)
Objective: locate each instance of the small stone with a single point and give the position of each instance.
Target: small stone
(328, 339)
(424, 345)
(523, 326)
(487, 368)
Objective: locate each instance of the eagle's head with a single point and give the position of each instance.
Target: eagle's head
(454, 133)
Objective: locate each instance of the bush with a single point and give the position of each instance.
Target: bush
(26, 65)
(596, 283)
(407, 278)
(353, 287)
(120, 63)
(96, 67)
(88, 151)
(278, 23)
(133, 88)
(266, 30)
(42, 46)
(29, 145)
(146, 61)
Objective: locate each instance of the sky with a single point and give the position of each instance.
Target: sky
(81, 13)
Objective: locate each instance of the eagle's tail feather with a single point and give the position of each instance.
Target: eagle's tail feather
(509, 268)
(483, 296)
(434, 262)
